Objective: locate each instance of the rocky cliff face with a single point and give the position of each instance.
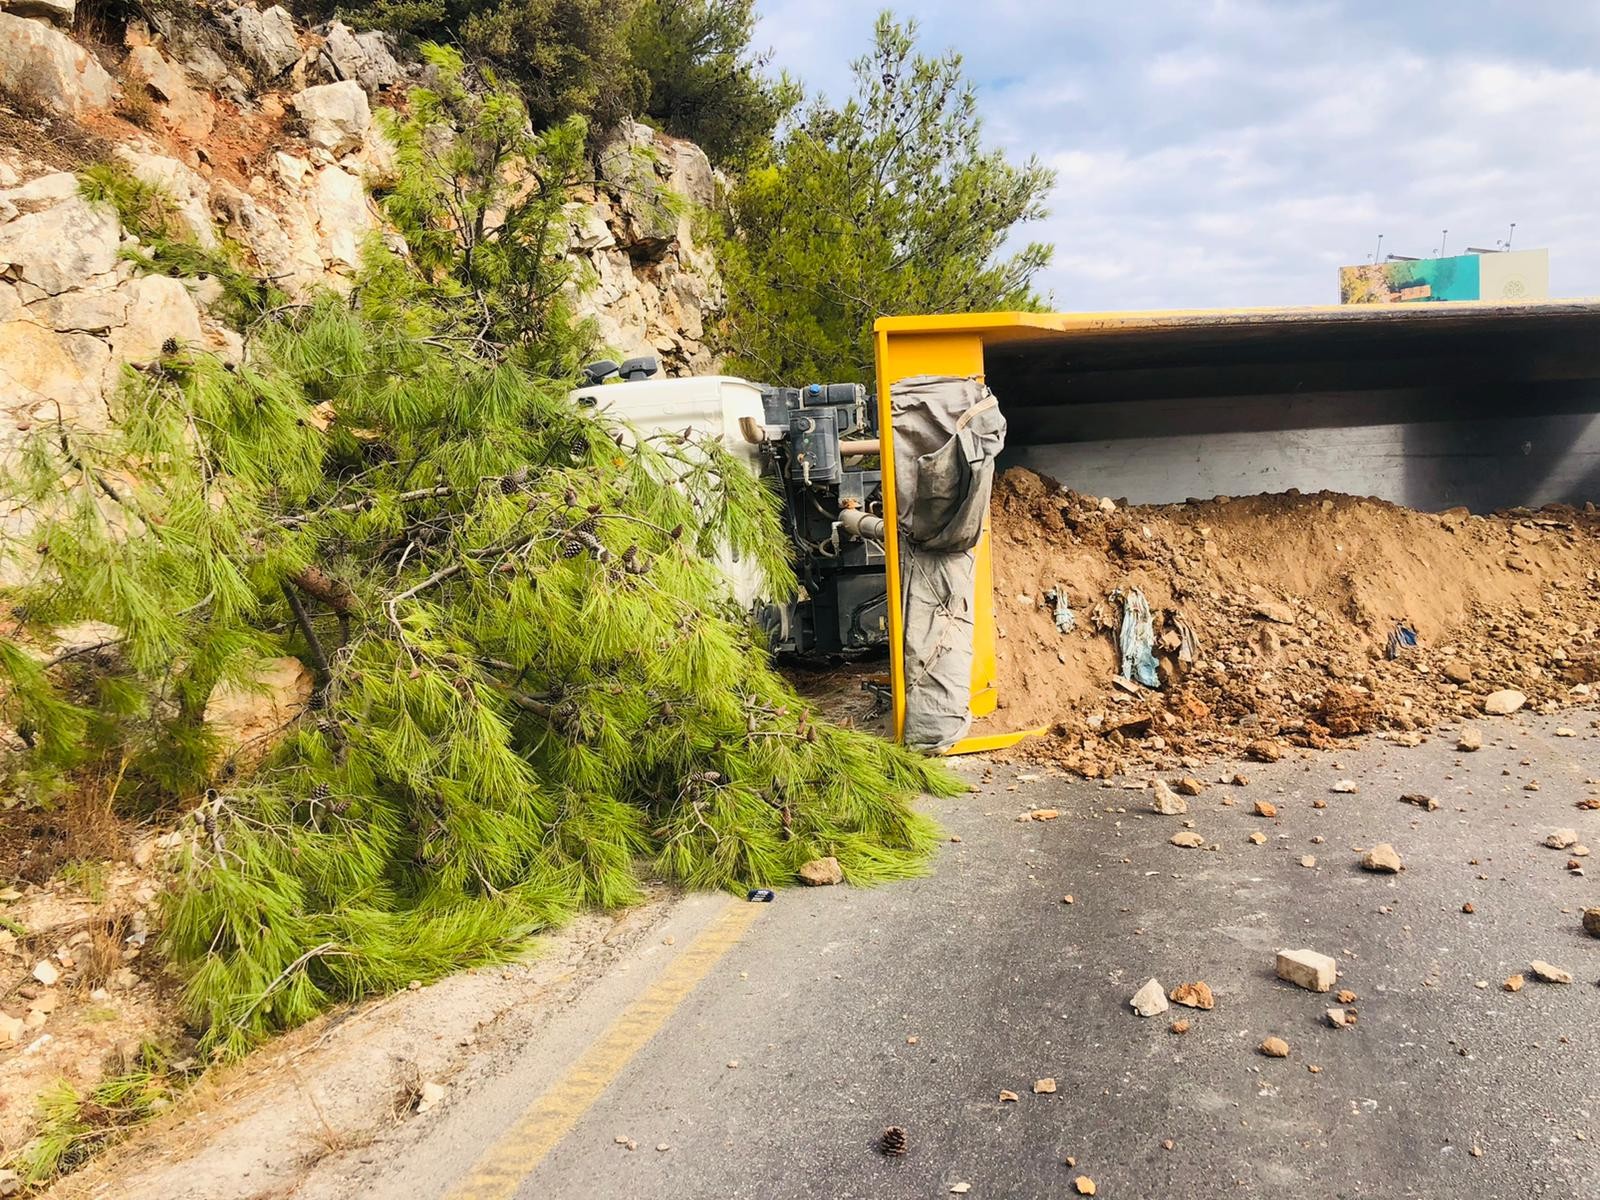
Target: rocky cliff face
(262, 131)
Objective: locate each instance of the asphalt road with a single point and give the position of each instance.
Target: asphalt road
(847, 1011)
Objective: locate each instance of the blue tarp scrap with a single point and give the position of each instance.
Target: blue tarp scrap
(1401, 638)
(1061, 609)
(1136, 639)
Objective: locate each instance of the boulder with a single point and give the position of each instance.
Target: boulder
(344, 218)
(59, 11)
(587, 228)
(188, 189)
(336, 115)
(647, 225)
(189, 113)
(1504, 702)
(821, 872)
(363, 57)
(160, 309)
(246, 717)
(267, 38)
(60, 247)
(41, 66)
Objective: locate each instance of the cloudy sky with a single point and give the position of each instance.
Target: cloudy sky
(1237, 152)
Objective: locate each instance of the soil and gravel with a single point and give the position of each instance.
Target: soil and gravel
(1293, 602)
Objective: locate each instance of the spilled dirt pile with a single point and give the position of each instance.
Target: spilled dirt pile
(1279, 619)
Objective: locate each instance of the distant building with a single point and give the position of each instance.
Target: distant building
(1491, 275)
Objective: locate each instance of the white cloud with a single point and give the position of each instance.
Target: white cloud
(1235, 152)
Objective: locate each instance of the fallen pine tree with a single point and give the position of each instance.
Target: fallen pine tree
(530, 693)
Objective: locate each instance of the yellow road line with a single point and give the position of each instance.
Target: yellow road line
(551, 1117)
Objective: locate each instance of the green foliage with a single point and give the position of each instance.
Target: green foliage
(479, 199)
(887, 205)
(168, 246)
(702, 82)
(531, 693)
(566, 57)
(74, 1126)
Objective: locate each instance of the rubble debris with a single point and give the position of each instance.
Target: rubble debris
(1007, 1097)
(1044, 1087)
(1346, 996)
(1044, 814)
(1265, 808)
(1345, 787)
(1084, 1185)
(1426, 803)
(1257, 838)
(1469, 908)
(1339, 1018)
(1591, 922)
(1471, 739)
(1167, 803)
(1274, 1047)
(1504, 702)
(1189, 786)
(1560, 839)
(1548, 972)
(1382, 859)
(1566, 731)
(1194, 995)
(1513, 983)
(1260, 681)
(430, 1096)
(1150, 1000)
(821, 872)
(960, 1189)
(1180, 1026)
(1308, 860)
(1187, 839)
(47, 973)
(1308, 969)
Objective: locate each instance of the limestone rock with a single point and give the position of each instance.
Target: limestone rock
(1503, 703)
(267, 38)
(1306, 968)
(337, 115)
(1167, 802)
(160, 309)
(12, 1030)
(1194, 995)
(1591, 922)
(1560, 839)
(43, 66)
(1382, 859)
(344, 217)
(46, 972)
(363, 57)
(187, 111)
(59, 11)
(245, 719)
(1456, 672)
(648, 226)
(1548, 972)
(60, 247)
(43, 373)
(1150, 1000)
(821, 872)
(1471, 739)
(190, 193)
(82, 312)
(1263, 750)
(1274, 1047)
(1187, 839)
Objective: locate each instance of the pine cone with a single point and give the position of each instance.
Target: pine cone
(893, 1141)
(170, 346)
(511, 482)
(579, 445)
(585, 527)
(571, 549)
(320, 793)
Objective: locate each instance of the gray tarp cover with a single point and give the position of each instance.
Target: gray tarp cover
(947, 432)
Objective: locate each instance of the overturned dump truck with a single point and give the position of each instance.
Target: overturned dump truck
(1478, 405)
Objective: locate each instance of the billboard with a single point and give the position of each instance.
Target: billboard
(1507, 275)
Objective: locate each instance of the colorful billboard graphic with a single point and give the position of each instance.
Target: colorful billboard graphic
(1513, 275)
